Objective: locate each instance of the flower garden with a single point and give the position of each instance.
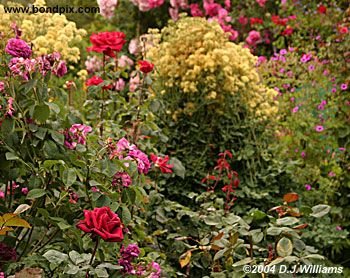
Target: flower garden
(175, 139)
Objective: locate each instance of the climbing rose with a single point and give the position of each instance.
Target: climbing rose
(102, 222)
(18, 48)
(162, 163)
(2, 86)
(145, 66)
(107, 42)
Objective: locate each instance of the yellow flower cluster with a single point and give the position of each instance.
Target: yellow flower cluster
(196, 56)
(46, 31)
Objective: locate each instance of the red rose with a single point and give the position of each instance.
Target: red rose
(96, 80)
(322, 9)
(107, 42)
(104, 223)
(145, 66)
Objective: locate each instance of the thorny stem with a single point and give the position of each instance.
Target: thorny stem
(92, 257)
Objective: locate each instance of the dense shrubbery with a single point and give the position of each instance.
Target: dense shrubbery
(182, 153)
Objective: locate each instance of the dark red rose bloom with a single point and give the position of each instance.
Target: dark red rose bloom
(145, 66)
(288, 31)
(322, 9)
(7, 253)
(104, 223)
(256, 20)
(107, 42)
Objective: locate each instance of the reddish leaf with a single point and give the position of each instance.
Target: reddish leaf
(290, 197)
(301, 226)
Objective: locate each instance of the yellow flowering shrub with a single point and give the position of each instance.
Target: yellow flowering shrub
(196, 57)
(46, 31)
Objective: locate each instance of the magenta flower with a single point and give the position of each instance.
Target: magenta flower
(130, 252)
(18, 48)
(343, 86)
(305, 58)
(10, 110)
(334, 90)
(2, 194)
(60, 69)
(253, 38)
(141, 158)
(311, 68)
(122, 178)
(107, 7)
(319, 128)
(76, 135)
(339, 228)
(308, 187)
(156, 270)
(283, 51)
(303, 154)
(120, 84)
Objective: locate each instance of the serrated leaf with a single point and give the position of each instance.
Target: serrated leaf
(55, 257)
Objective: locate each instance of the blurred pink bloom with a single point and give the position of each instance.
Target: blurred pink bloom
(308, 187)
(2, 194)
(93, 64)
(343, 86)
(10, 109)
(305, 58)
(295, 109)
(253, 38)
(18, 48)
(339, 228)
(24, 190)
(134, 46)
(331, 174)
(134, 83)
(195, 10)
(303, 154)
(122, 178)
(2, 86)
(125, 61)
(76, 135)
(107, 7)
(261, 2)
(319, 128)
(120, 84)
(211, 8)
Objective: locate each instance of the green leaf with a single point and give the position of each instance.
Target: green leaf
(179, 169)
(7, 126)
(57, 137)
(242, 262)
(211, 220)
(41, 132)
(126, 215)
(41, 112)
(101, 272)
(320, 210)
(69, 176)
(36, 193)
(287, 221)
(284, 247)
(11, 156)
(220, 254)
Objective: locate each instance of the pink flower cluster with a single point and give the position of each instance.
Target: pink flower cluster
(176, 5)
(23, 67)
(127, 255)
(76, 135)
(123, 150)
(146, 5)
(93, 64)
(107, 7)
